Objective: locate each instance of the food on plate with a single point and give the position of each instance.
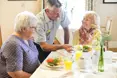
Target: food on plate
(84, 48)
(54, 61)
(87, 48)
(78, 47)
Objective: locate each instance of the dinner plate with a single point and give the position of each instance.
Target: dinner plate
(57, 66)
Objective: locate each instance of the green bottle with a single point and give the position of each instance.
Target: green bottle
(101, 60)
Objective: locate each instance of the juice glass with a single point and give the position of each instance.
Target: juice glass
(78, 54)
(68, 64)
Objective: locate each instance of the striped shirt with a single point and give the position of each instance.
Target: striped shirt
(16, 55)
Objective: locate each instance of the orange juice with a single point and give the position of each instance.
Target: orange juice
(78, 55)
(68, 64)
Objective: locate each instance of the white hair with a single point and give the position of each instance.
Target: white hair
(95, 16)
(23, 20)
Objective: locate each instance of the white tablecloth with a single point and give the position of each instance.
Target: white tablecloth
(44, 72)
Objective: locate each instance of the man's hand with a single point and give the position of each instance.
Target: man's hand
(67, 47)
(47, 47)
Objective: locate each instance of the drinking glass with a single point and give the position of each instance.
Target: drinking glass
(68, 64)
(78, 54)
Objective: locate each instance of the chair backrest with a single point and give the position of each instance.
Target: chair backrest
(0, 37)
(56, 41)
(108, 25)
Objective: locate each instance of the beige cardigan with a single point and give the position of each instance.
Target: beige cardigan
(96, 36)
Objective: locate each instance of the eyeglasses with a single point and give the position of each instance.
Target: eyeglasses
(53, 12)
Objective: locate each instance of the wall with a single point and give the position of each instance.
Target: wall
(105, 10)
(8, 11)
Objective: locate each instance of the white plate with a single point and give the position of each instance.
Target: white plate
(58, 66)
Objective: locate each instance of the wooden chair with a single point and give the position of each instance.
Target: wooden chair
(56, 41)
(106, 30)
(0, 37)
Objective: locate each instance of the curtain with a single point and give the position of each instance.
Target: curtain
(89, 5)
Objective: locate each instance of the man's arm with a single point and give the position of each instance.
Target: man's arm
(19, 74)
(65, 23)
(47, 47)
(66, 35)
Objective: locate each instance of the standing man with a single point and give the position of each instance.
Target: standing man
(49, 21)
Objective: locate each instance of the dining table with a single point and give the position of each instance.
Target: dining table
(44, 71)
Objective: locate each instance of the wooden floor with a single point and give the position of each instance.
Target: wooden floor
(113, 49)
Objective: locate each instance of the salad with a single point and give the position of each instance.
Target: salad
(54, 61)
(87, 48)
(84, 48)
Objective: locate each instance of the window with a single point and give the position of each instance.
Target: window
(75, 9)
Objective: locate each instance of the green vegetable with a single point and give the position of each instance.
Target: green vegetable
(55, 62)
(86, 48)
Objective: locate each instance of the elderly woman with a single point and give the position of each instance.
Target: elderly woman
(19, 56)
(89, 32)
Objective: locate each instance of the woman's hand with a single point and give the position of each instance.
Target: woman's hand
(87, 39)
(19, 74)
(90, 38)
